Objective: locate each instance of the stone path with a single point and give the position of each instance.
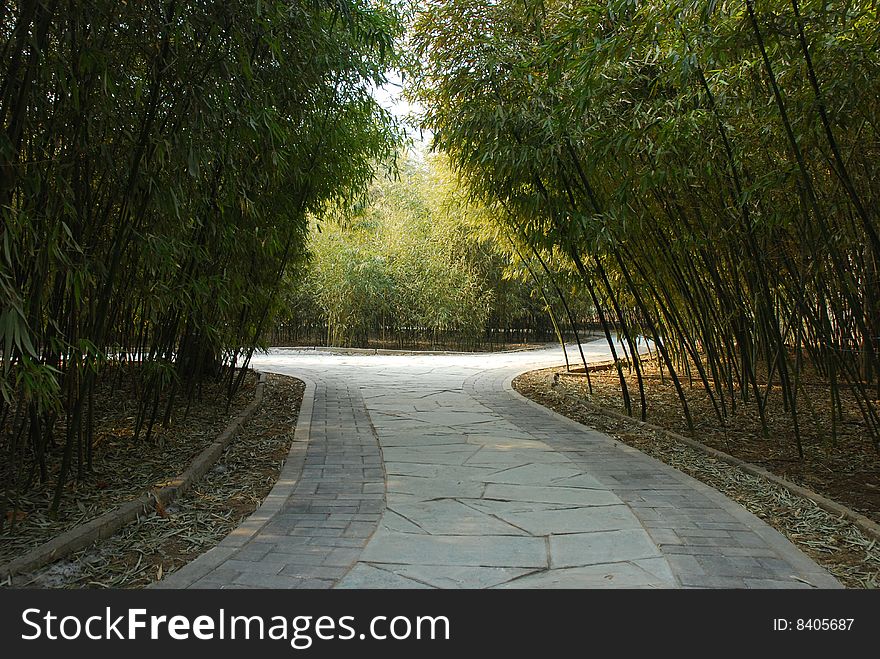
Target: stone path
(429, 471)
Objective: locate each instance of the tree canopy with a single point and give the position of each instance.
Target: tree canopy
(159, 161)
(412, 266)
(700, 174)
(708, 169)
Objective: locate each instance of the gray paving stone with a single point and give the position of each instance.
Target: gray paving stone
(684, 564)
(665, 537)
(731, 567)
(214, 583)
(703, 533)
(299, 558)
(613, 575)
(342, 556)
(507, 458)
(748, 539)
(314, 572)
(709, 581)
(693, 550)
(582, 480)
(491, 551)
(572, 520)
(255, 580)
(433, 488)
(657, 567)
(775, 584)
(254, 552)
(753, 552)
(364, 575)
(359, 529)
(319, 532)
(580, 549)
(453, 576)
(535, 474)
(392, 449)
(773, 563)
(261, 567)
(317, 584)
(566, 495)
(451, 517)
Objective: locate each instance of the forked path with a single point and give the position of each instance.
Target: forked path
(414, 471)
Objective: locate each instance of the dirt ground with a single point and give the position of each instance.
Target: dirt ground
(144, 551)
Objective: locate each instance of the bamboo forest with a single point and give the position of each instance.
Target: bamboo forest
(187, 184)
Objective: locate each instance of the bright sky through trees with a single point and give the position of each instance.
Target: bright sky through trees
(391, 97)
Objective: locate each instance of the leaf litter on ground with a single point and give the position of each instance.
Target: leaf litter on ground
(157, 545)
(832, 541)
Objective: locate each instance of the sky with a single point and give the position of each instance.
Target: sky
(390, 96)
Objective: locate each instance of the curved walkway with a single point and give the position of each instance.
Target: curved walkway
(421, 471)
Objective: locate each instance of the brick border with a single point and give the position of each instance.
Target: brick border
(290, 474)
(817, 576)
(862, 522)
(104, 526)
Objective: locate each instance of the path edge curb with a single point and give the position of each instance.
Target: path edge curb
(104, 526)
(771, 535)
(237, 538)
(862, 522)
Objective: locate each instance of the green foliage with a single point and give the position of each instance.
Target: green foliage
(159, 161)
(708, 170)
(407, 263)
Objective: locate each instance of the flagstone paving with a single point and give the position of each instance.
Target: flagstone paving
(429, 471)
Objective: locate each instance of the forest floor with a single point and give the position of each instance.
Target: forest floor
(123, 469)
(845, 469)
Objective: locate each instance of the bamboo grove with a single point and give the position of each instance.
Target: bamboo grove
(707, 169)
(413, 267)
(158, 162)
